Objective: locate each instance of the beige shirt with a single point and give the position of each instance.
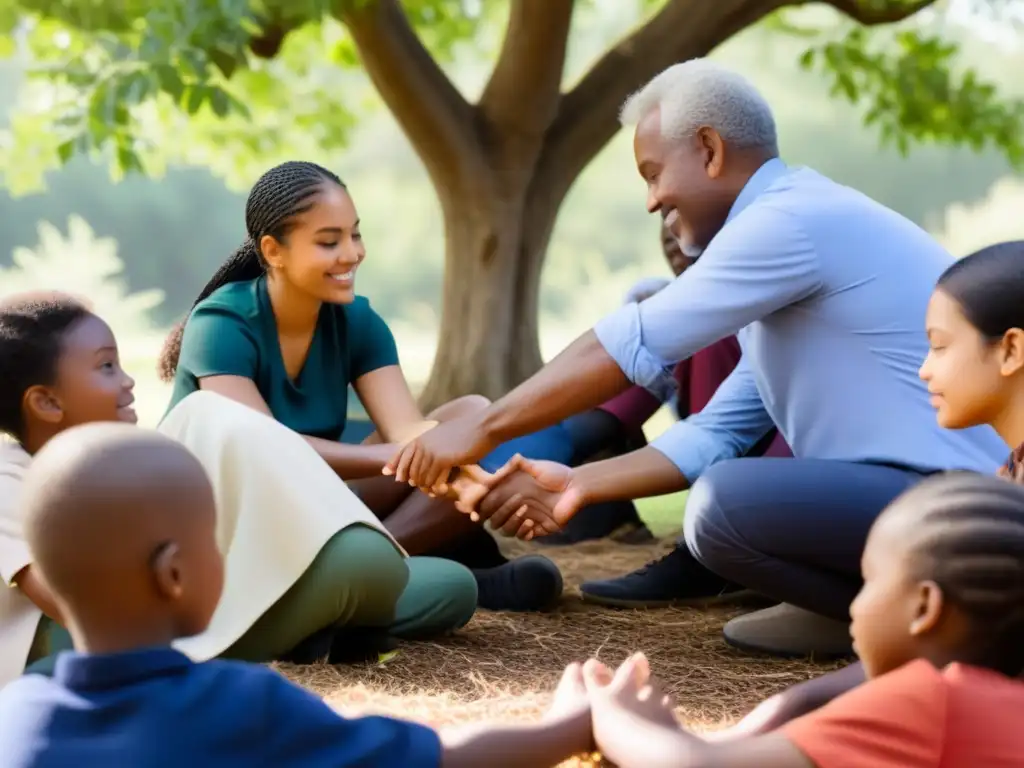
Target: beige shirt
(19, 616)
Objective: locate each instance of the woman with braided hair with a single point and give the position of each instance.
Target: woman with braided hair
(280, 329)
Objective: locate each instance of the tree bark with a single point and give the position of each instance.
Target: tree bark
(502, 168)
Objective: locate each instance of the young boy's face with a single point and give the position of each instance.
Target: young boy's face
(90, 385)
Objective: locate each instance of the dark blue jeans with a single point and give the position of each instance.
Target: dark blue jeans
(791, 529)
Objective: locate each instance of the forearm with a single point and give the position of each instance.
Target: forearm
(635, 475)
(813, 694)
(797, 701)
(35, 590)
(546, 743)
(353, 462)
(583, 376)
(650, 745)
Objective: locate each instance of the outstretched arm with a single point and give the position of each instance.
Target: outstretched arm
(733, 421)
(794, 702)
(564, 731)
(634, 726)
(760, 263)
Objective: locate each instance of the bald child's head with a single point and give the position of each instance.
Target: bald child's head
(121, 525)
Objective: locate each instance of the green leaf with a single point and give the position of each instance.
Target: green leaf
(170, 81)
(196, 97)
(220, 102)
(66, 151)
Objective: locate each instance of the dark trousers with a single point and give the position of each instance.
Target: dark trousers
(791, 529)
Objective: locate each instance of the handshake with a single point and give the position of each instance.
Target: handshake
(525, 498)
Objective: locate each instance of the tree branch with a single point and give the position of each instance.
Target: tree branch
(874, 12)
(434, 116)
(588, 115)
(523, 92)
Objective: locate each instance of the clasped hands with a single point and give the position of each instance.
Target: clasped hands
(627, 708)
(524, 498)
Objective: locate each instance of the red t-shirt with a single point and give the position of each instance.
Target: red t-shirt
(917, 717)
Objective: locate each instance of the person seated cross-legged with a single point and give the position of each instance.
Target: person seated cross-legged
(826, 290)
(280, 329)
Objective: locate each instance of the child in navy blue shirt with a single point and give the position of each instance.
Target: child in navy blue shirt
(121, 525)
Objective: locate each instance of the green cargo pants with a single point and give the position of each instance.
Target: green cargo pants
(358, 579)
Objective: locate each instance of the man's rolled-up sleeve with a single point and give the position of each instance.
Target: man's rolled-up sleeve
(728, 426)
(759, 263)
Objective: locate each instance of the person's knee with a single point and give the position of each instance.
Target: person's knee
(460, 406)
(372, 562)
(200, 405)
(458, 586)
(445, 593)
(363, 570)
(705, 525)
(208, 411)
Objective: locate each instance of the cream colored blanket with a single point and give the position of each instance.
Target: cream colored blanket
(278, 503)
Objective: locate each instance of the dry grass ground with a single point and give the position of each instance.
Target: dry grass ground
(502, 666)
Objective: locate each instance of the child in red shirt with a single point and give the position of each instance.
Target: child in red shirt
(939, 627)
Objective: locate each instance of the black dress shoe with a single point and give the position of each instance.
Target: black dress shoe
(675, 579)
(530, 583)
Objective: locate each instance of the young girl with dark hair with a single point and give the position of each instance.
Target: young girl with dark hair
(975, 375)
(279, 328)
(939, 626)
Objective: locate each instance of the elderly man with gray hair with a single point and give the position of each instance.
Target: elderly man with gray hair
(827, 291)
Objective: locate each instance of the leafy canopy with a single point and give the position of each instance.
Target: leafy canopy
(233, 83)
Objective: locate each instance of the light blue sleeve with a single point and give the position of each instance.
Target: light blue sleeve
(760, 262)
(728, 426)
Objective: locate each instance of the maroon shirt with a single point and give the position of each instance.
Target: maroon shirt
(697, 379)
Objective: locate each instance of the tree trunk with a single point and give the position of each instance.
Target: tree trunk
(495, 245)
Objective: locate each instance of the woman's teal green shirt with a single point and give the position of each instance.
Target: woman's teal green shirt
(233, 333)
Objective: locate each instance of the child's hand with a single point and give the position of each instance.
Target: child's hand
(628, 691)
(632, 719)
(571, 696)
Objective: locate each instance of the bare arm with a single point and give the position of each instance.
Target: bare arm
(525, 746)
(649, 745)
(635, 475)
(634, 727)
(389, 403)
(351, 462)
(794, 702)
(581, 377)
(28, 581)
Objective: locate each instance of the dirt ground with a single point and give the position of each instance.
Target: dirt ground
(503, 666)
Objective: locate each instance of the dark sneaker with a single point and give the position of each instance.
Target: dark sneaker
(530, 583)
(675, 579)
(616, 519)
